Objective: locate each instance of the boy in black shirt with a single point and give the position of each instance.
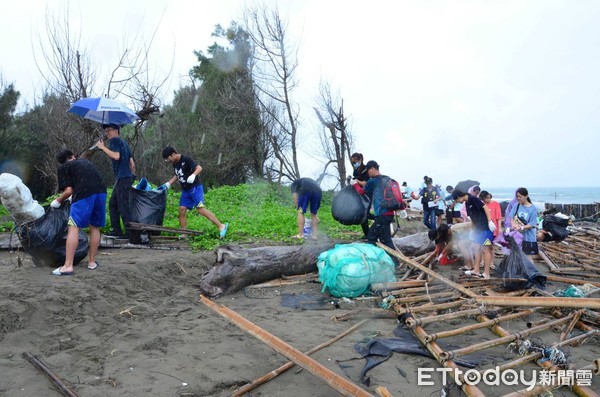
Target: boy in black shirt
(192, 192)
(79, 179)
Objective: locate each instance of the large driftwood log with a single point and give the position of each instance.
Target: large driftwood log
(415, 244)
(239, 267)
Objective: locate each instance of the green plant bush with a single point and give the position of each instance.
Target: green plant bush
(256, 213)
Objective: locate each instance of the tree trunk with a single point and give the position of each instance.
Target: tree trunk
(238, 267)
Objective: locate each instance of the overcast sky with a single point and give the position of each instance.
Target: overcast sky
(505, 92)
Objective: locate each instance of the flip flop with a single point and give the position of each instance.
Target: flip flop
(95, 267)
(296, 236)
(223, 232)
(493, 267)
(464, 269)
(470, 273)
(57, 272)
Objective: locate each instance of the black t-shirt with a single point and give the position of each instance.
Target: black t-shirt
(82, 176)
(477, 213)
(305, 185)
(361, 174)
(183, 169)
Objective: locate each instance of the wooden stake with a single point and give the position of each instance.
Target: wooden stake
(333, 380)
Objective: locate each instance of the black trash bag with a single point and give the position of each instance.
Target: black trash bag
(45, 238)
(349, 208)
(518, 265)
(556, 228)
(147, 207)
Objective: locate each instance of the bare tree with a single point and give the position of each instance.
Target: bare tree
(275, 77)
(70, 75)
(336, 140)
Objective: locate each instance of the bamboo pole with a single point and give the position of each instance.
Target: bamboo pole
(412, 321)
(64, 389)
(450, 354)
(562, 272)
(557, 383)
(333, 380)
(415, 290)
(594, 366)
(498, 330)
(534, 356)
(430, 308)
(370, 313)
(425, 297)
(581, 303)
(428, 271)
(397, 284)
(567, 330)
(548, 261)
(290, 364)
(479, 325)
(436, 351)
(383, 392)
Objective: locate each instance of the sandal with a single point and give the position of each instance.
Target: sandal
(470, 273)
(464, 269)
(493, 267)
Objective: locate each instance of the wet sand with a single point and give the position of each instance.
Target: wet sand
(135, 326)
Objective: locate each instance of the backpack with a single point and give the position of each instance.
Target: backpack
(392, 196)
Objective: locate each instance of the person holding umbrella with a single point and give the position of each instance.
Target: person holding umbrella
(124, 169)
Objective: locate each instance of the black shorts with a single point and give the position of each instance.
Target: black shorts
(530, 248)
(439, 212)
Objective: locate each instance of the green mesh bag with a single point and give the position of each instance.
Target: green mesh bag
(348, 270)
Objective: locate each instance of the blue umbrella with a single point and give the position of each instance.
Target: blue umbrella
(104, 110)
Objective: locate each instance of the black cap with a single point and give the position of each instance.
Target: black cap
(111, 125)
(372, 164)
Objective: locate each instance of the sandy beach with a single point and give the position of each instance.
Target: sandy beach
(136, 326)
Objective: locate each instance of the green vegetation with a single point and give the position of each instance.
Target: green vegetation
(257, 213)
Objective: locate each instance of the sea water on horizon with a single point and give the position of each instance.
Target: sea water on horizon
(553, 195)
(541, 195)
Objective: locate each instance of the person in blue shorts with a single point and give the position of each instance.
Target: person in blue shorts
(306, 192)
(483, 233)
(192, 192)
(80, 180)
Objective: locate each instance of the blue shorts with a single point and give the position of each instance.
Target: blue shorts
(89, 211)
(312, 198)
(485, 237)
(193, 198)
